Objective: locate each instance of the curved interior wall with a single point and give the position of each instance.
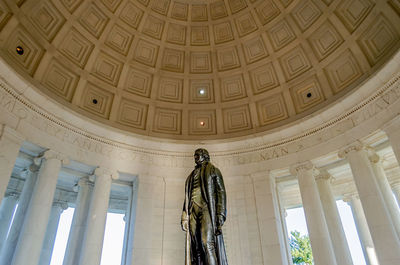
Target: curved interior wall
(43, 121)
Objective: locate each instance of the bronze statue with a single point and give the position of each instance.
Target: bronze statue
(204, 213)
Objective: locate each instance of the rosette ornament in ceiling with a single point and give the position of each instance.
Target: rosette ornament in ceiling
(197, 69)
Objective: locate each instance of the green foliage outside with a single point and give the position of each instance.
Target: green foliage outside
(300, 248)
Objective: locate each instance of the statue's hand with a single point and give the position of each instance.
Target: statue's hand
(220, 223)
(184, 225)
(220, 220)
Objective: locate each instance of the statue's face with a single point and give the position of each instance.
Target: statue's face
(198, 158)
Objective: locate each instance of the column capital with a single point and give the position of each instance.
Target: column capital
(324, 175)
(106, 172)
(260, 175)
(353, 147)
(83, 182)
(349, 196)
(12, 194)
(303, 166)
(50, 154)
(37, 161)
(33, 168)
(26, 172)
(63, 205)
(395, 185)
(373, 156)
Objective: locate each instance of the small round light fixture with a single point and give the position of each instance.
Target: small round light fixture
(309, 95)
(202, 91)
(202, 123)
(19, 50)
(94, 101)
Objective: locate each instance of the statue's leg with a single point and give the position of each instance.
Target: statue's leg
(195, 237)
(208, 238)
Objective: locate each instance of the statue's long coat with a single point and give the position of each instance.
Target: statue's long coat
(213, 192)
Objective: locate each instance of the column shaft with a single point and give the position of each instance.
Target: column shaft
(7, 252)
(283, 215)
(377, 215)
(37, 217)
(392, 130)
(336, 232)
(94, 235)
(130, 226)
(269, 221)
(51, 232)
(6, 212)
(10, 143)
(386, 192)
(321, 243)
(364, 235)
(147, 248)
(396, 192)
(78, 226)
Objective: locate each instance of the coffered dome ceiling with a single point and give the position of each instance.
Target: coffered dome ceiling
(197, 69)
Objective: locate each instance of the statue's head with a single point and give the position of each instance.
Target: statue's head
(201, 155)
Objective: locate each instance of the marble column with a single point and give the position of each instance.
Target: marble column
(147, 247)
(269, 220)
(78, 225)
(37, 217)
(94, 235)
(396, 192)
(7, 209)
(364, 235)
(130, 218)
(284, 226)
(7, 252)
(335, 227)
(378, 217)
(320, 239)
(10, 143)
(51, 232)
(392, 130)
(386, 190)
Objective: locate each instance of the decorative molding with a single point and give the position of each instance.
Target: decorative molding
(104, 172)
(199, 12)
(14, 194)
(85, 181)
(33, 51)
(131, 15)
(93, 20)
(306, 13)
(354, 147)
(378, 101)
(301, 167)
(373, 156)
(348, 197)
(61, 205)
(353, 12)
(267, 11)
(324, 176)
(50, 154)
(218, 10)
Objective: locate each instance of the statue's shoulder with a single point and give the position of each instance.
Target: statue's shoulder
(191, 173)
(188, 177)
(213, 169)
